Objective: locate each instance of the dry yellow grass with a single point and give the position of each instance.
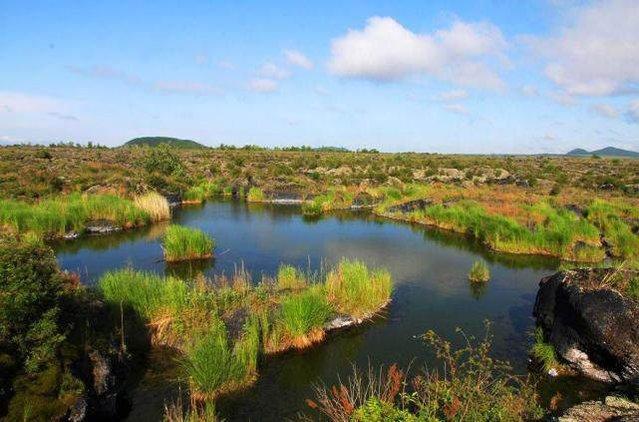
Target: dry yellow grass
(155, 205)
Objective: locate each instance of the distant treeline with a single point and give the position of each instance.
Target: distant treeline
(248, 147)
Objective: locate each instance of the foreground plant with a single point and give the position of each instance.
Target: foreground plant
(473, 387)
(184, 243)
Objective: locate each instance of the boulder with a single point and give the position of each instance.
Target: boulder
(414, 205)
(612, 408)
(592, 326)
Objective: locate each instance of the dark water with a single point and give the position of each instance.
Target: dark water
(429, 268)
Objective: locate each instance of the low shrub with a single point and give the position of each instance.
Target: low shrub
(472, 387)
(479, 272)
(184, 243)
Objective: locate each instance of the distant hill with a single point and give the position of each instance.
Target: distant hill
(605, 152)
(153, 141)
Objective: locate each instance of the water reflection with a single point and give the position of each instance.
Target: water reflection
(429, 267)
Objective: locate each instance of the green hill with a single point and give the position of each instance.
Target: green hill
(605, 152)
(153, 141)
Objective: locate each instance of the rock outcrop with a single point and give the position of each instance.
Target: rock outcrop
(591, 325)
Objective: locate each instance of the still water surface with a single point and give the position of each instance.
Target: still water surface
(429, 268)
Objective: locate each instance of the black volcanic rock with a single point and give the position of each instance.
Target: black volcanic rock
(592, 326)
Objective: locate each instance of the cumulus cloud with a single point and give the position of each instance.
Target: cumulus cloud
(263, 85)
(298, 59)
(387, 51)
(453, 95)
(633, 112)
(187, 87)
(605, 110)
(456, 108)
(272, 71)
(596, 52)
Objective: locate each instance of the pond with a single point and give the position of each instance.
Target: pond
(429, 268)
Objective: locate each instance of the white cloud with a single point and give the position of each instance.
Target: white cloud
(562, 98)
(18, 102)
(605, 110)
(456, 108)
(225, 64)
(187, 87)
(596, 53)
(320, 90)
(263, 85)
(633, 112)
(201, 59)
(529, 91)
(454, 95)
(272, 71)
(387, 51)
(106, 72)
(296, 58)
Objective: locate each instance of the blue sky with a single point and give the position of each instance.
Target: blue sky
(437, 76)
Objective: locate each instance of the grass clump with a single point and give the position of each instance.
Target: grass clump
(356, 290)
(304, 315)
(213, 366)
(543, 352)
(184, 243)
(200, 193)
(479, 272)
(54, 217)
(312, 208)
(290, 278)
(255, 194)
(609, 218)
(155, 205)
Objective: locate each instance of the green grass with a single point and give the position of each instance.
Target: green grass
(290, 278)
(479, 272)
(543, 352)
(54, 217)
(201, 192)
(183, 243)
(356, 290)
(146, 293)
(255, 194)
(212, 365)
(607, 216)
(560, 233)
(305, 312)
(313, 208)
